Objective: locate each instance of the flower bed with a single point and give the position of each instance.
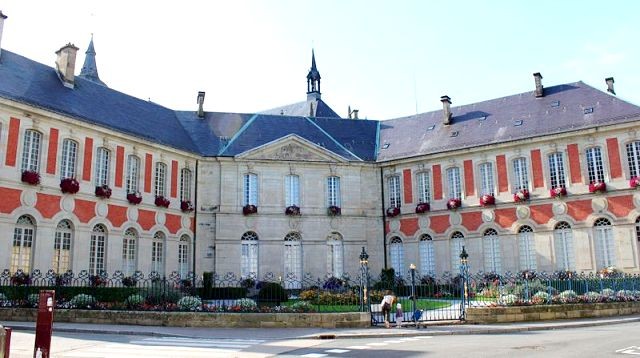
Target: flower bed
(30, 177)
(161, 201)
(249, 209)
(422, 208)
(69, 185)
(103, 192)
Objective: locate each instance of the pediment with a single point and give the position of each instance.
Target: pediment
(291, 148)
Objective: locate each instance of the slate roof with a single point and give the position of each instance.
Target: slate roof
(303, 109)
(563, 108)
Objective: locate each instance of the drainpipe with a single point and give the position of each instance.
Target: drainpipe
(195, 223)
(384, 220)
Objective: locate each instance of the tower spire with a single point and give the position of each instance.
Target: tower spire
(313, 79)
(90, 69)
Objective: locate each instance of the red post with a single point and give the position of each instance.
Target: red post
(44, 324)
(7, 341)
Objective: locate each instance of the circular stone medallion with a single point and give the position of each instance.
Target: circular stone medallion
(67, 203)
(132, 213)
(102, 209)
(599, 205)
(424, 222)
(455, 218)
(394, 225)
(161, 218)
(523, 212)
(186, 221)
(488, 215)
(29, 197)
(559, 208)
(636, 199)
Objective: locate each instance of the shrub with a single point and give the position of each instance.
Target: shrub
(625, 294)
(302, 306)
(308, 295)
(248, 283)
(508, 299)
(207, 284)
(82, 301)
(592, 296)
(160, 293)
(568, 294)
(134, 301)
(272, 291)
(129, 281)
(3, 297)
(333, 284)
(189, 303)
(608, 292)
(541, 295)
(246, 304)
(376, 296)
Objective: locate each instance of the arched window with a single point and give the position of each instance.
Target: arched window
(62, 247)
(293, 260)
(396, 251)
(249, 255)
(492, 257)
(595, 168)
(129, 251)
(160, 187)
(563, 245)
(604, 244)
(31, 151)
(457, 241)
(185, 185)
(526, 248)
(97, 250)
(68, 159)
(183, 256)
(23, 237)
(427, 255)
(157, 252)
(133, 174)
(335, 255)
(103, 163)
(292, 190)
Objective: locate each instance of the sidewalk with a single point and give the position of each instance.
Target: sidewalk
(432, 329)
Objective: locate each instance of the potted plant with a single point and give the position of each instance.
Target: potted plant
(31, 177)
(292, 210)
(634, 182)
(134, 198)
(454, 203)
(186, 206)
(597, 187)
(521, 196)
(103, 191)
(334, 210)
(249, 209)
(69, 185)
(393, 211)
(422, 208)
(162, 201)
(558, 192)
(487, 200)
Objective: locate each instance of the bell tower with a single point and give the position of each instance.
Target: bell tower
(313, 80)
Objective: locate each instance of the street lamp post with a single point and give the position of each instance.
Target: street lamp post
(412, 268)
(364, 281)
(464, 272)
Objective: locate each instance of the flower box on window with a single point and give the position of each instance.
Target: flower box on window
(31, 177)
(597, 187)
(453, 204)
(134, 198)
(487, 200)
(162, 201)
(393, 211)
(422, 208)
(634, 182)
(521, 196)
(292, 210)
(69, 185)
(103, 191)
(249, 209)
(186, 206)
(20, 279)
(558, 192)
(334, 210)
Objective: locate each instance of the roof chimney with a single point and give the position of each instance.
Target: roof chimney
(610, 82)
(539, 89)
(2, 17)
(353, 114)
(200, 101)
(66, 64)
(446, 108)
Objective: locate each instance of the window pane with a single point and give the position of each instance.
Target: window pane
(491, 245)
(333, 191)
(486, 179)
(455, 186)
(396, 252)
(556, 170)
(31, 151)
(633, 158)
(424, 190)
(394, 191)
(185, 185)
(292, 190)
(68, 160)
(161, 178)
(427, 256)
(520, 174)
(595, 169)
(102, 167)
(133, 170)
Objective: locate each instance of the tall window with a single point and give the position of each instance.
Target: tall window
(157, 252)
(129, 248)
(605, 248)
(250, 189)
(23, 237)
(563, 244)
(427, 255)
(424, 187)
(62, 247)
(333, 191)
(454, 184)
(183, 256)
(556, 170)
(595, 169)
(492, 257)
(292, 260)
(486, 179)
(638, 228)
(31, 151)
(396, 251)
(68, 160)
(335, 255)
(457, 241)
(249, 255)
(185, 185)
(292, 190)
(526, 248)
(394, 191)
(103, 159)
(97, 250)
(133, 174)
(160, 188)
(520, 174)
(633, 158)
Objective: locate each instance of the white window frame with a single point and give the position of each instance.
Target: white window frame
(424, 187)
(487, 184)
(31, 150)
(160, 182)
(129, 252)
(293, 261)
(24, 235)
(335, 255)
(98, 250)
(249, 251)
(526, 248)
(563, 246)
(395, 200)
(62, 247)
(157, 252)
(520, 174)
(595, 166)
(396, 254)
(132, 180)
(103, 164)
(427, 255)
(292, 190)
(633, 158)
(557, 177)
(184, 257)
(604, 243)
(185, 184)
(492, 255)
(250, 189)
(454, 183)
(68, 159)
(333, 191)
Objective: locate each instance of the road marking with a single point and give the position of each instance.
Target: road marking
(337, 351)
(314, 355)
(377, 344)
(358, 347)
(197, 342)
(394, 341)
(630, 350)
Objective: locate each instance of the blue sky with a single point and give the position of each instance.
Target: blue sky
(385, 58)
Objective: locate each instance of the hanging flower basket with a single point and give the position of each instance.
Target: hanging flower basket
(134, 198)
(634, 182)
(162, 201)
(31, 177)
(69, 185)
(393, 211)
(453, 204)
(186, 206)
(487, 200)
(103, 191)
(249, 209)
(334, 211)
(521, 196)
(558, 192)
(292, 210)
(422, 208)
(597, 187)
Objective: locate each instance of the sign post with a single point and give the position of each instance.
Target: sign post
(44, 324)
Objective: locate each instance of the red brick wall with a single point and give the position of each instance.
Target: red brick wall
(10, 200)
(12, 142)
(615, 167)
(88, 158)
(48, 205)
(472, 220)
(409, 226)
(505, 217)
(148, 165)
(52, 153)
(85, 210)
(146, 219)
(437, 182)
(503, 184)
(173, 223)
(536, 166)
(174, 178)
(117, 215)
(119, 165)
(579, 209)
(620, 206)
(574, 163)
(439, 223)
(541, 214)
(407, 187)
(469, 186)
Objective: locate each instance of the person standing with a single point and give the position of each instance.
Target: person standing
(386, 303)
(399, 315)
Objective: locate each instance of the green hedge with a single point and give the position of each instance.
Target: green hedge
(102, 294)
